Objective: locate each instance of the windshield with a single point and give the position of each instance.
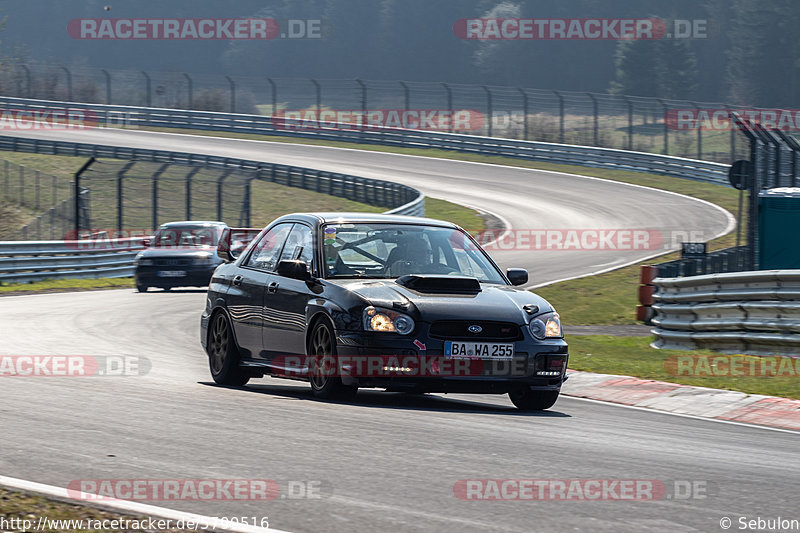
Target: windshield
(394, 250)
(187, 236)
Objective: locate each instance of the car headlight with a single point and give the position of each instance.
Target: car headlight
(204, 259)
(387, 321)
(546, 326)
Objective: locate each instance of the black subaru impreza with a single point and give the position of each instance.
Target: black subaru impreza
(349, 300)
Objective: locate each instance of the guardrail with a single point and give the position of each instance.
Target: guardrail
(37, 260)
(129, 116)
(402, 199)
(756, 312)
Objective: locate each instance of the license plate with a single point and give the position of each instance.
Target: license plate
(171, 273)
(478, 350)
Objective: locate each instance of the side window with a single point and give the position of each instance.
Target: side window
(265, 253)
(299, 245)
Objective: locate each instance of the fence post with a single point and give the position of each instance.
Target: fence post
(147, 97)
(69, 83)
(363, 98)
(274, 96)
(120, 177)
(189, 177)
(233, 93)
(156, 175)
(77, 194)
(21, 185)
(5, 171)
(36, 187)
(54, 180)
(318, 93)
(596, 120)
(699, 135)
(488, 110)
(449, 105)
(524, 112)
(630, 121)
(406, 95)
(27, 80)
(560, 116)
(225, 174)
(665, 109)
(189, 91)
(108, 85)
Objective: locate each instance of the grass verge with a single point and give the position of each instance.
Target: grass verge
(20, 507)
(65, 285)
(632, 356)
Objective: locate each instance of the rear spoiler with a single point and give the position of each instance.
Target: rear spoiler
(234, 241)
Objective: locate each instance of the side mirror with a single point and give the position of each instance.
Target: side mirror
(146, 242)
(517, 276)
(224, 251)
(296, 269)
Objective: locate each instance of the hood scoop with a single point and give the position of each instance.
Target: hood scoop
(440, 284)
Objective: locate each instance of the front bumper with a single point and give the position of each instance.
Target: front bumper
(396, 363)
(192, 275)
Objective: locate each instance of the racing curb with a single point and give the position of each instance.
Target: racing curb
(685, 400)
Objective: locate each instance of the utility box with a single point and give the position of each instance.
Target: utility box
(779, 228)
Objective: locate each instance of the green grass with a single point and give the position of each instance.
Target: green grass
(467, 218)
(633, 356)
(65, 285)
(16, 505)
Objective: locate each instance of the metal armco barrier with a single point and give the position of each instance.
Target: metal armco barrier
(402, 199)
(128, 116)
(755, 312)
(37, 260)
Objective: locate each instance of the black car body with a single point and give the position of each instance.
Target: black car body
(348, 300)
(180, 254)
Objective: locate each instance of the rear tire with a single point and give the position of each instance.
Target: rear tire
(528, 400)
(141, 288)
(325, 384)
(223, 356)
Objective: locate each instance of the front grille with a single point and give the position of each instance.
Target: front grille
(172, 262)
(459, 330)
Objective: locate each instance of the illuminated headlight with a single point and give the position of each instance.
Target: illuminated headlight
(546, 326)
(204, 259)
(387, 321)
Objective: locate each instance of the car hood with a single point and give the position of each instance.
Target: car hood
(493, 302)
(186, 252)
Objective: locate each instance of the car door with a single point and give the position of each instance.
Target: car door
(245, 298)
(286, 299)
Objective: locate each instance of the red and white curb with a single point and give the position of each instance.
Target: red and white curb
(685, 400)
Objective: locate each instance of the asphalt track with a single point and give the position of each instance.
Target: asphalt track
(387, 461)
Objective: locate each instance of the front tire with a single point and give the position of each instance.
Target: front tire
(325, 384)
(141, 288)
(223, 356)
(528, 400)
